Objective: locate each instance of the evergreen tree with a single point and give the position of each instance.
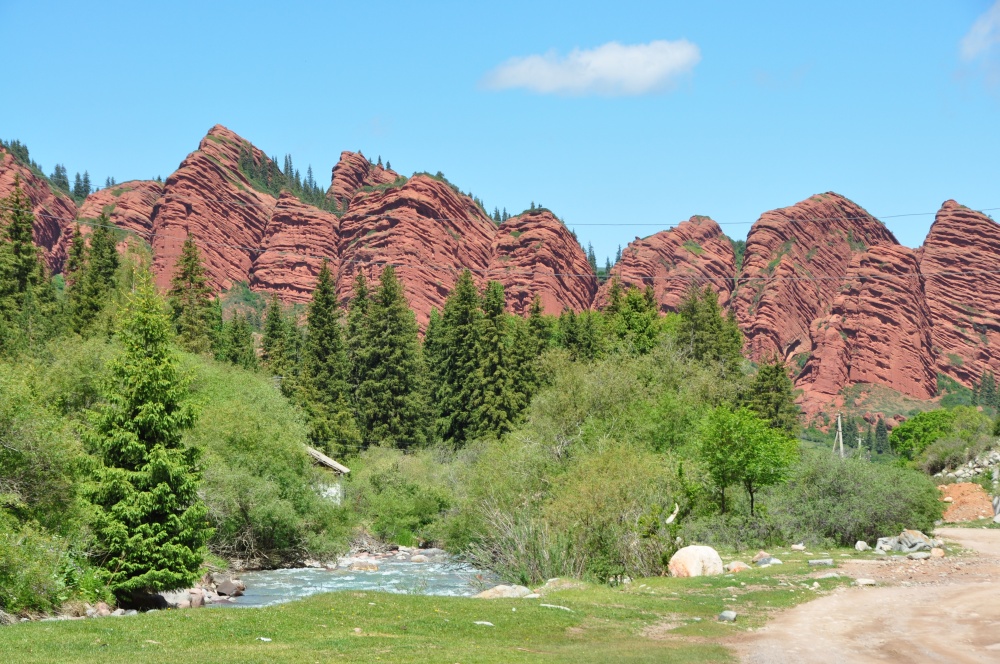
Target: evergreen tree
(591, 258)
(457, 390)
(324, 373)
(634, 320)
(497, 401)
(78, 188)
(538, 325)
(239, 343)
(28, 306)
(280, 345)
(881, 437)
(869, 439)
(359, 361)
(707, 335)
(190, 300)
(607, 267)
(618, 256)
(770, 396)
(390, 400)
(150, 524)
(87, 190)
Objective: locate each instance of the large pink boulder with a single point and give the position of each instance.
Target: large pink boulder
(696, 561)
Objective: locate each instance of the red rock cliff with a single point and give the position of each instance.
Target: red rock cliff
(297, 239)
(877, 331)
(426, 229)
(959, 263)
(129, 205)
(54, 211)
(694, 252)
(353, 172)
(208, 197)
(534, 253)
(795, 260)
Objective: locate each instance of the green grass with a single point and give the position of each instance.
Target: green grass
(657, 619)
(694, 247)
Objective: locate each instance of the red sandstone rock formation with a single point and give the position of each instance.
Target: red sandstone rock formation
(779, 293)
(959, 262)
(129, 205)
(209, 198)
(297, 239)
(353, 172)
(54, 211)
(426, 229)
(534, 253)
(694, 252)
(877, 331)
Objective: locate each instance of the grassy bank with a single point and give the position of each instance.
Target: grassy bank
(658, 619)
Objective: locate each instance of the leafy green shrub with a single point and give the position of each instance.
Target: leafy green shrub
(30, 568)
(258, 482)
(828, 499)
(400, 497)
(914, 435)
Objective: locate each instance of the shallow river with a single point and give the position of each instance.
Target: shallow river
(432, 578)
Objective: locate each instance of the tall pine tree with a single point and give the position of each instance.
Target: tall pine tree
(497, 401)
(457, 389)
(770, 396)
(324, 386)
(150, 524)
(190, 300)
(390, 400)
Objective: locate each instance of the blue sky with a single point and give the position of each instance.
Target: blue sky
(718, 108)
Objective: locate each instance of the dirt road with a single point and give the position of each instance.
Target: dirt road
(944, 610)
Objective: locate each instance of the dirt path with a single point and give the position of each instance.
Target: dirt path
(928, 611)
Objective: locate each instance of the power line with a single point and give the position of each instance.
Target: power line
(507, 271)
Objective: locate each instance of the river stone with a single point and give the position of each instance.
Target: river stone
(695, 561)
(419, 558)
(232, 587)
(861, 545)
(504, 592)
(727, 616)
(362, 566)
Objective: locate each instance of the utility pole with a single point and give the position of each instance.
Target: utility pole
(839, 440)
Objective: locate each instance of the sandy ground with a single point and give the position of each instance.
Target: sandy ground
(942, 610)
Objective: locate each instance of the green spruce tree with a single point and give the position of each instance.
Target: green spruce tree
(881, 437)
(239, 343)
(390, 400)
(190, 300)
(706, 334)
(457, 390)
(324, 385)
(497, 400)
(770, 396)
(150, 525)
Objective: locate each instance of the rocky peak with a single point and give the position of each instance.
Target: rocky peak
(695, 252)
(353, 172)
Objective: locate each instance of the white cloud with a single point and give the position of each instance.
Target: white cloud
(611, 69)
(983, 35)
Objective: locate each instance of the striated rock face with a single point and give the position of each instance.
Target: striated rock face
(695, 251)
(353, 172)
(208, 197)
(534, 253)
(777, 297)
(877, 331)
(54, 211)
(959, 262)
(129, 205)
(426, 229)
(297, 239)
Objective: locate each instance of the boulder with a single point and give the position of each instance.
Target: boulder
(102, 610)
(864, 582)
(798, 547)
(821, 562)
(362, 566)
(727, 616)
(760, 555)
(7, 619)
(861, 545)
(695, 561)
(419, 558)
(736, 567)
(232, 587)
(937, 553)
(913, 540)
(172, 599)
(920, 555)
(504, 592)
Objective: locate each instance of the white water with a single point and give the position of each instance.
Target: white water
(433, 578)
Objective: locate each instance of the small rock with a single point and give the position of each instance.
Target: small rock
(361, 566)
(798, 547)
(829, 575)
(264, 639)
(118, 612)
(102, 610)
(531, 596)
(419, 558)
(864, 582)
(727, 616)
(736, 566)
(556, 606)
(232, 587)
(483, 622)
(921, 555)
(948, 499)
(937, 553)
(131, 612)
(861, 545)
(767, 562)
(760, 555)
(821, 561)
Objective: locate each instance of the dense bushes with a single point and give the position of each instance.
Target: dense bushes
(258, 483)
